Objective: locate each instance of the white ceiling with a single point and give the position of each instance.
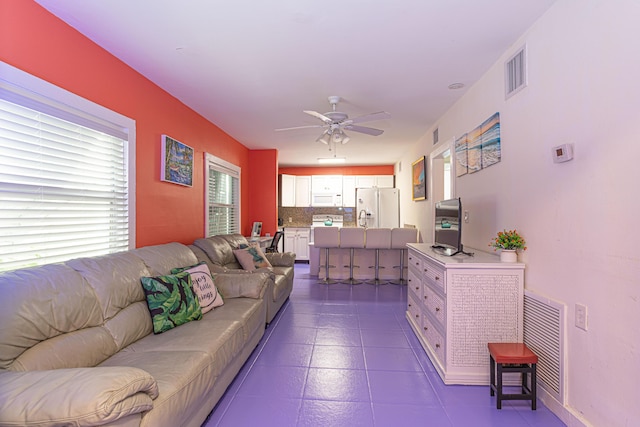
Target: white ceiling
(252, 66)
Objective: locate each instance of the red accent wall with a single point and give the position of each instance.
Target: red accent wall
(339, 170)
(263, 192)
(37, 42)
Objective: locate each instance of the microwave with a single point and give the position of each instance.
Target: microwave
(326, 199)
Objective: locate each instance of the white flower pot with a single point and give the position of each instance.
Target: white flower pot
(508, 255)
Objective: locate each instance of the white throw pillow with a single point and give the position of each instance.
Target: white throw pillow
(204, 287)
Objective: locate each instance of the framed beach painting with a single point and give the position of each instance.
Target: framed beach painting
(177, 162)
(419, 179)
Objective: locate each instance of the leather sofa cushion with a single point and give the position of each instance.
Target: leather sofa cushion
(40, 303)
(161, 259)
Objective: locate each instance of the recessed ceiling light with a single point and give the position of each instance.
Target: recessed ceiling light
(454, 86)
(326, 160)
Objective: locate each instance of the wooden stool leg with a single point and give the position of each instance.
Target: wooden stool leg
(492, 373)
(499, 385)
(534, 386)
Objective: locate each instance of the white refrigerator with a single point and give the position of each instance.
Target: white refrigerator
(378, 207)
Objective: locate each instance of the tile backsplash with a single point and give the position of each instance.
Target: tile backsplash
(302, 217)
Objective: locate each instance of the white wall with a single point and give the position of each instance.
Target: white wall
(580, 218)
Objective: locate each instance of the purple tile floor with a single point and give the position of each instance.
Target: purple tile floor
(342, 355)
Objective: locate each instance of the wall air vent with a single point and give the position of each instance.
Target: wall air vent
(544, 325)
(515, 73)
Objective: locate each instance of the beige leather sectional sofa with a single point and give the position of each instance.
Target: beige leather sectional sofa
(217, 252)
(77, 348)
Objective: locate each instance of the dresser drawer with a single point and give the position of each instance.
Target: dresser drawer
(414, 310)
(434, 274)
(414, 285)
(434, 338)
(415, 263)
(435, 306)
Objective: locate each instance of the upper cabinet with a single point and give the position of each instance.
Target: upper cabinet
(287, 190)
(369, 181)
(327, 190)
(295, 191)
(349, 191)
(303, 191)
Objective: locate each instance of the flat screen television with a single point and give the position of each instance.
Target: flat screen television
(448, 227)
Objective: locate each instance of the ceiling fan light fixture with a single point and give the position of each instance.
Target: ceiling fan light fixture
(345, 138)
(324, 138)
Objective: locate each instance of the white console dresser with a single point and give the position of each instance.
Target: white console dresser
(457, 304)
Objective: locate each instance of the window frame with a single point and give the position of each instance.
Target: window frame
(22, 88)
(225, 167)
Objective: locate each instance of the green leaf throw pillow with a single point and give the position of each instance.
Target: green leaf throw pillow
(171, 301)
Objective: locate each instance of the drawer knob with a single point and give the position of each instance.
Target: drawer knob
(437, 309)
(425, 297)
(437, 278)
(426, 329)
(409, 305)
(417, 315)
(437, 345)
(417, 287)
(417, 263)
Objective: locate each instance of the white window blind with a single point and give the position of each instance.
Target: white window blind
(222, 196)
(64, 184)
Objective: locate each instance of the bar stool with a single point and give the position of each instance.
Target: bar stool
(326, 238)
(512, 357)
(399, 239)
(377, 238)
(352, 238)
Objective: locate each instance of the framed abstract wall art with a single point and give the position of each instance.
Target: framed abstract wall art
(177, 162)
(419, 179)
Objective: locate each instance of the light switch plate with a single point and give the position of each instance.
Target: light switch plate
(581, 316)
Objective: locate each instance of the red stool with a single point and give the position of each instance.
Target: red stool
(513, 357)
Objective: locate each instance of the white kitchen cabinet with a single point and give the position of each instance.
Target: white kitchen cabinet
(370, 181)
(296, 240)
(287, 190)
(326, 184)
(384, 181)
(303, 191)
(456, 305)
(349, 191)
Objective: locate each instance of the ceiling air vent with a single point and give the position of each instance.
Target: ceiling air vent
(515, 71)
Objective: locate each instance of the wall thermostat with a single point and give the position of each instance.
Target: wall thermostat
(562, 153)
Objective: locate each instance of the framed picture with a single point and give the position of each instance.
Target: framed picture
(177, 162)
(256, 230)
(419, 179)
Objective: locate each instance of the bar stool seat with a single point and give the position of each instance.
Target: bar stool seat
(326, 238)
(399, 239)
(512, 357)
(377, 238)
(352, 238)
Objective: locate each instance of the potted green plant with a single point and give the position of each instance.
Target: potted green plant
(508, 242)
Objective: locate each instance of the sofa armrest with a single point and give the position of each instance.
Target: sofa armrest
(249, 284)
(78, 396)
(286, 259)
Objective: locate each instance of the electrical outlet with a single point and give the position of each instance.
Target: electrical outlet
(581, 316)
(466, 216)
(290, 219)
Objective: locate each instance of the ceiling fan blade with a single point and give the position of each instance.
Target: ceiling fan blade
(319, 116)
(380, 115)
(364, 129)
(300, 127)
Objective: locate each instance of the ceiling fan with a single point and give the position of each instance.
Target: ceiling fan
(335, 123)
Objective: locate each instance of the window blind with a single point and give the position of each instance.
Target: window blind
(223, 197)
(63, 189)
